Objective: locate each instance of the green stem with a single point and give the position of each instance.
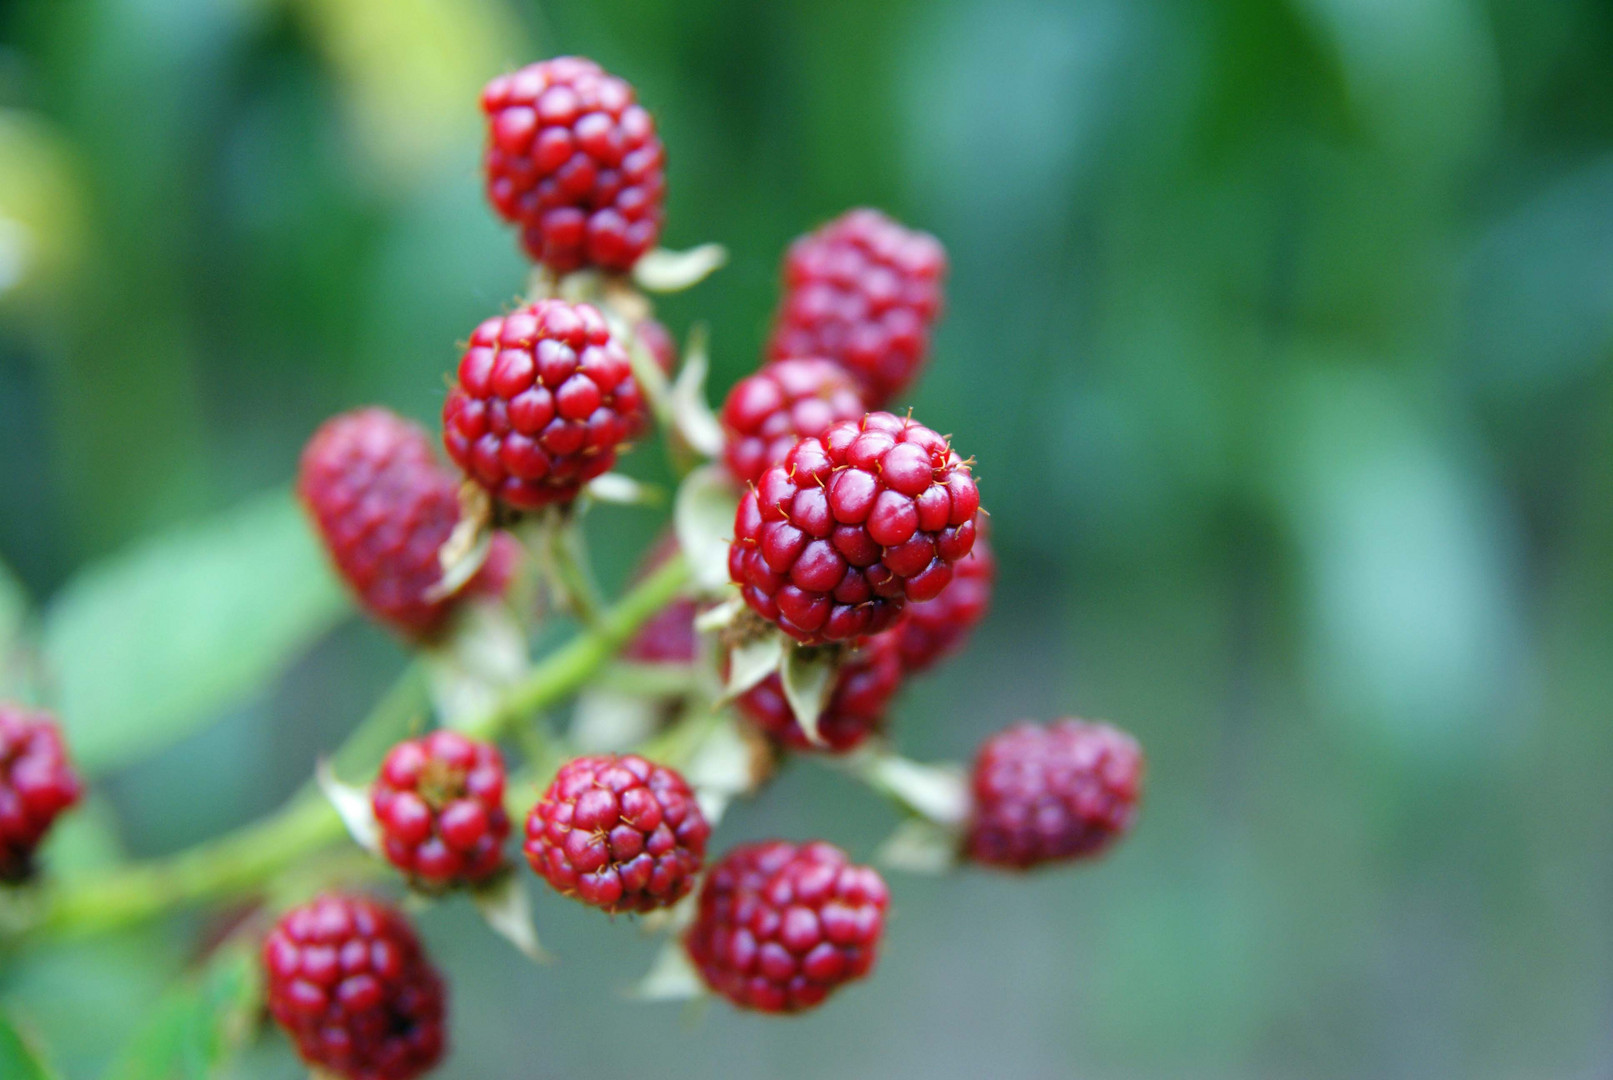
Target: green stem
(243, 861)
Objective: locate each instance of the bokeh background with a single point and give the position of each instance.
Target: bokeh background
(1281, 332)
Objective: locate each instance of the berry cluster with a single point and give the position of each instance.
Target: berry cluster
(619, 833)
(574, 161)
(833, 541)
(440, 803)
(1046, 793)
(866, 293)
(543, 399)
(858, 534)
(782, 926)
(37, 783)
(384, 507)
(350, 984)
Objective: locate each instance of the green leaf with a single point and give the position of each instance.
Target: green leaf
(18, 1060)
(195, 1027)
(151, 644)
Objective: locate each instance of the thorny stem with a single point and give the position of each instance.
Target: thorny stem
(244, 861)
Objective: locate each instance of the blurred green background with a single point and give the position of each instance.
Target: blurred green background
(1281, 332)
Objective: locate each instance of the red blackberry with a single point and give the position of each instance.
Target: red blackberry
(781, 926)
(543, 399)
(383, 506)
(440, 803)
(349, 982)
(574, 161)
(931, 629)
(620, 833)
(854, 523)
(767, 412)
(864, 292)
(37, 783)
(669, 637)
(856, 708)
(1043, 793)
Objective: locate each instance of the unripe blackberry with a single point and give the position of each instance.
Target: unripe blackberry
(863, 689)
(619, 833)
(865, 292)
(854, 523)
(931, 629)
(1066, 790)
(37, 783)
(574, 161)
(349, 982)
(543, 399)
(439, 800)
(766, 413)
(782, 926)
(383, 506)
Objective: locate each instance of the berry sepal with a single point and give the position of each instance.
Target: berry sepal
(808, 677)
(665, 271)
(352, 805)
(672, 977)
(506, 907)
(703, 518)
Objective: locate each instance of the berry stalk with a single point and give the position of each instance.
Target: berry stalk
(244, 860)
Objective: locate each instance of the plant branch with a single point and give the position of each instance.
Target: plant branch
(243, 861)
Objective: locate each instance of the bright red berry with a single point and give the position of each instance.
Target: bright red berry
(543, 399)
(782, 925)
(383, 506)
(440, 802)
(619, 833)
(766, 413)
(349, 982)
(863, 689)
(865, 292)
(931, 629)
(1061, 791)
(574, 161)
(854, 523)
(37, 783)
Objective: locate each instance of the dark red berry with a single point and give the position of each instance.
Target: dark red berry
(657, 341)
(1061, 791)
(865, 292)
(782, 925)
(854, 523)
(37, 783)
(866, 682)
(619, 833)
(440, 802)
(574, 161)
(766, 413)
(931, 629)
(349, 982)
(383, 506)
(543, 399)
(669, 637)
